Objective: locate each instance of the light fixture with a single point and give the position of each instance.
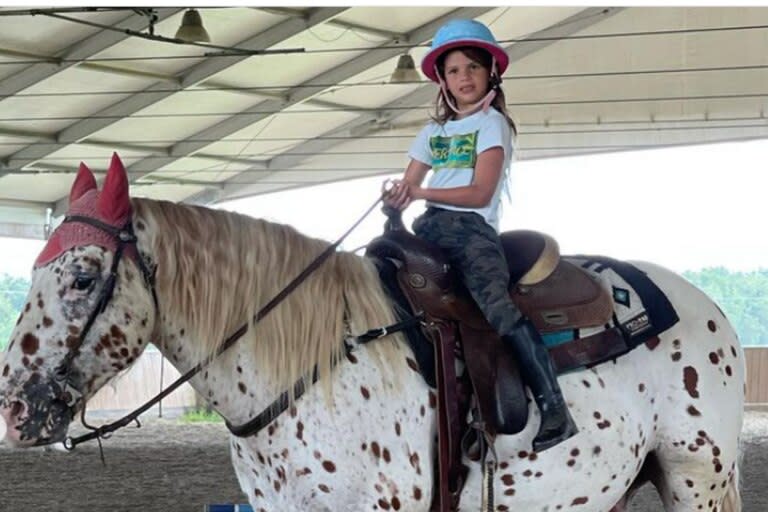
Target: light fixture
(191, 28)
(405, 71)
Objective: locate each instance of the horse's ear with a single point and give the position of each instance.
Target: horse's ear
(83, 183)
(114, 203)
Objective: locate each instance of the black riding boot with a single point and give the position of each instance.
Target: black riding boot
(539, 374)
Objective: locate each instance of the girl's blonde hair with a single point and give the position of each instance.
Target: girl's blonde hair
(443, 111)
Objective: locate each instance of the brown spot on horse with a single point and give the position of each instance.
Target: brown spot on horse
(30, 344)
(691, 381)
(652, 343)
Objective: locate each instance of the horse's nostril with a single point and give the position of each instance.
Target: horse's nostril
(16, 408)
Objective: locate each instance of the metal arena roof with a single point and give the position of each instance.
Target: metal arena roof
(290, 97)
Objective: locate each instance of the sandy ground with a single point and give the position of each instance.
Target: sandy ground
(168, 466)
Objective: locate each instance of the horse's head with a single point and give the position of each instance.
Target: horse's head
(88, 315)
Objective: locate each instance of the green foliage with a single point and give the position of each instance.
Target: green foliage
(201, 416)
(743, 297)
(13, 293)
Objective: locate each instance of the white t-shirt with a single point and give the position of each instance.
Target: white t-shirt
(451, 150)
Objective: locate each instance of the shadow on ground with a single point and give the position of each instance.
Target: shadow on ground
(167, 466)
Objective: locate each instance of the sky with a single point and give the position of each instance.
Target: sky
(685, 208)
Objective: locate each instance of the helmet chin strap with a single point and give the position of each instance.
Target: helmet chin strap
(485, 102)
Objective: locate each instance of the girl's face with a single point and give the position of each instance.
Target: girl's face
(467, 80)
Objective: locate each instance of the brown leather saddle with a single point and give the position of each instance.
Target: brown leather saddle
(555, 294)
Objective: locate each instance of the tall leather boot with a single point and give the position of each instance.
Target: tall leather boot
(539, 373)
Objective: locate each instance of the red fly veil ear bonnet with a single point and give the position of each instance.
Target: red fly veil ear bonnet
(111, 206)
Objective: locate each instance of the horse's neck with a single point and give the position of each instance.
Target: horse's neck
(232, 384)
(235, 384)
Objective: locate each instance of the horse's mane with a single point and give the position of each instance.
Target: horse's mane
(217, 268)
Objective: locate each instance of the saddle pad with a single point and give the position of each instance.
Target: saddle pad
(641, 310)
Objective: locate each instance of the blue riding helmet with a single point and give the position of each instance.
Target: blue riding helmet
(457, 33)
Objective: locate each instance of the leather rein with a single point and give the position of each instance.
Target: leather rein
(126, 238)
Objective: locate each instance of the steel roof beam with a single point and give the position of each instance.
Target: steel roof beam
(347, 25)
(299, 93)
(23, 203)
(21, 230)
(425, 93)
(79, 51)
(112, 145)
(160, 90)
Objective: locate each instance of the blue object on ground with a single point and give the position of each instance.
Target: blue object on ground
(228, 507)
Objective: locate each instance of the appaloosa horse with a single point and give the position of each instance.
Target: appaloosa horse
(362, 438)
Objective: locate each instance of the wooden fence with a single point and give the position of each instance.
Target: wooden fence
(142, 382)
(757, 375)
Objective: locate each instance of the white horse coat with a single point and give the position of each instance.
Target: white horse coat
(363, 437)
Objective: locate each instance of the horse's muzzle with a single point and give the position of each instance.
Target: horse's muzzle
(36, 416)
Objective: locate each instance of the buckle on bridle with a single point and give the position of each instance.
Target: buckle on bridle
(71, 395)
(127, 237)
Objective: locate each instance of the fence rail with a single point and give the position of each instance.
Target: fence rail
(142, 382)
(757, 375)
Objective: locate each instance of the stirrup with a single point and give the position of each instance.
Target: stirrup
(569, 430)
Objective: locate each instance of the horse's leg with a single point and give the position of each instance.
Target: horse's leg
(696, 485)
(621, 506)
(679, 499)
(646, 474)
(732, 500)
(697, 450)
(698, 385)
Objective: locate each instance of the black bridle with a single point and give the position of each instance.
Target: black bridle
(125, 238)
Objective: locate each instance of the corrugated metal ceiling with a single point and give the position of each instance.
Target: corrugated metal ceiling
(194, 125)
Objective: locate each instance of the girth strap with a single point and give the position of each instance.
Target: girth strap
(450, 471)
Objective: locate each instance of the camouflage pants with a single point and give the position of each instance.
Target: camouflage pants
(473, 247)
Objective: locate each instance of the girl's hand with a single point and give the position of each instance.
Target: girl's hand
(397, 194)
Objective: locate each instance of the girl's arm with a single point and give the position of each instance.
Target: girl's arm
(400, 194)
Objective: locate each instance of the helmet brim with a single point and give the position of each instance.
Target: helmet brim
(429, 60)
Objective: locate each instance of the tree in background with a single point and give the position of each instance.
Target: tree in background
(743, 297)
(13, 292)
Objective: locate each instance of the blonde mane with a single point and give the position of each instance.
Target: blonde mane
(216, 269)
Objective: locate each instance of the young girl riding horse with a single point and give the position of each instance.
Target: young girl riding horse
(469, 149)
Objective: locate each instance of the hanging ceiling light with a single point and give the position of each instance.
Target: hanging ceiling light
(191, 28)
(405, 70)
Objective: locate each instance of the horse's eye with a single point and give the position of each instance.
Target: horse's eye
(82, 282)
(61, 372)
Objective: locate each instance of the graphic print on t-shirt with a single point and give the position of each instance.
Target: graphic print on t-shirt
(455, 151)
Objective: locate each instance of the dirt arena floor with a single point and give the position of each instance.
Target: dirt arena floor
(169, 466)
